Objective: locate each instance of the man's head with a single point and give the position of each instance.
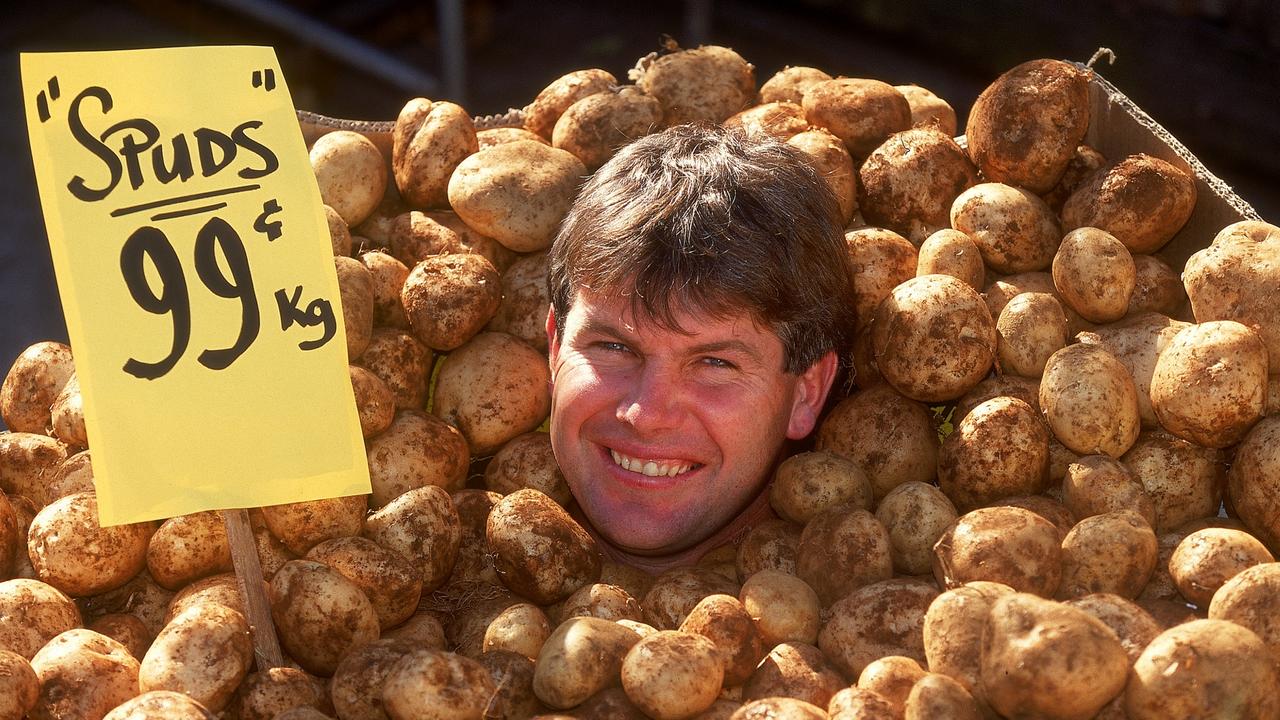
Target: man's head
(701, 294)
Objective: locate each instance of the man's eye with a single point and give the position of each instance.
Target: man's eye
(718, 363)
(613, 347)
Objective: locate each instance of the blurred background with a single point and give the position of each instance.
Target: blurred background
(1208, 70)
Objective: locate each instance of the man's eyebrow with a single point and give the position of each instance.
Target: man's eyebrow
(602, 326)
(735, 346)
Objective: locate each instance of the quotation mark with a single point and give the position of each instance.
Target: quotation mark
(42, 101)
(265, 77)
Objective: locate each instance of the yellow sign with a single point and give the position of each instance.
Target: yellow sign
(196, 273)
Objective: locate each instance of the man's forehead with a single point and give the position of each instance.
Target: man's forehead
(622, 311)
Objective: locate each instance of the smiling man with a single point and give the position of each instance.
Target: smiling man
(701, 297)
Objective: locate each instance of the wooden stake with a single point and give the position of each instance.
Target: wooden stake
(244, 555)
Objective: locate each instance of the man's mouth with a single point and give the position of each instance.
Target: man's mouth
(651, 468)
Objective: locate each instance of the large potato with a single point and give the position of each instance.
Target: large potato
(31, 614)
(883, 618)
(1094, 274)
(882, 260)
(1142, 200)
(1209, 384)
(904, 447)
(672, 674)
(449, 298)
(1030, 329)
(320, 615)
(909, 182)
(1112, 552)
(794, 670)
(1253, 482)
(933, 338)
(492, 389)
(582, 656)
(1008, 545)
(1024, 128)
(1206, 559)
(71, 552)
(953, 627)
(423, 526)
(999, 449)
(203, 653)
(1237, 278)
(1090, 401)
(951, 252)
(392, 584)
(594, 127)
(188, 548)
(416, 450)
(915, 514)
(517, 193)
(428, 142)
(539, 551)
(1014, 230)
(841, 550)
(728, 623)
(402, 363)
(809, 483)
(351, 173)
(434, 685)
(527, 461)
(861, 112)
(303, 525)
(525, 301)
(83, 674)
(32, 384)
(705, 84)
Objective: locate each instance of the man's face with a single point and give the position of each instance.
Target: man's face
(664, 437)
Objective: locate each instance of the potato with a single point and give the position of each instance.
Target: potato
(951, 252)
(863, 113)
(128, 630)
(402, 363)
(807, 484)
(1013, 229)
(1008, 545)
(790, 83)
(375, 404)
(1252, 481)
(339, 233)
(70, 551)
(1031, 328)
(31, 614)
(1023, 129)
(19, 686)
(794, 670)
(601, 600)
(351, 173)
(770, 544)
(1044, 506)
(833, 163)
(904, 448)
(1113, 552)
(82, 675)
(594, 127)
(1090, 401)
(416, 236)
(525, 301)
(778, 708)
(1048, 659)
(434, 685)
(474, 562)
(356, 687)
(1209, 385)
(541, 115)
(527, 462)
(1132, 625)
(841, 550)
(512, 676)
(27, 462)
(1097, 484)
(473, 241)
(32, 384)
(539, 551)
(929, 110)
(492, 389)
(416, 450)
(423, 526)
(784, 607)
(1183, 479)
(203, 653)
(582, 656)
(1157, 288)
(499, 135)
(266, 693)
(428, 142)
(1235, 278)
(1000, 449)
(1084, 163)
(521, 628)
(882, 260)
(891, 677)
(1206, 559)
(302, 525)
(933, 338)
(422, 630)
(1001, 291)
(953, 627)
(516, 193)
(188, 548)
(935, 696)
(74, 475)
(160, 704)
(1137, 341)
(66, 416)
(1248, 600)
(1200, 668)
(883, 618)
(909, 182)
(611, 702)
(449, 298)
(389, 275)
(916, 514)
(676, 592)
(355, 285)
(392, 584)
(704, 84)
(731, 627)
(1142, 200)
(1094, 274)
(672, 674)
(778, 120)
(319, 614)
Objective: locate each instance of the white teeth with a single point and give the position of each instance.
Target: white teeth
(650, 468)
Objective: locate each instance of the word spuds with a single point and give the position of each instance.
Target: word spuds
(215, 150)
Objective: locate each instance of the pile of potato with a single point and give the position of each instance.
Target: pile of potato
(1061, 554)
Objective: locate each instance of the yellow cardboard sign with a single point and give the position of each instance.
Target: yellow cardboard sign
(195, 268)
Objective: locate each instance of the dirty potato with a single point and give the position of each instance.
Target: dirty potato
(1097, 484)
(1030, 329)
(83, 674)
(882, 260)
(71, 552)
(351, 173)
(449, 298)
(1008, 545)
(841, 550)
(355, 286)
(594, 127)
(904, 449)
(1209, 384)
(1094, 274)
(32, 613)
(1000, 449)
(203, 653)
(416, 449)
(402, 363)
(862, 112)
(1237, 278)
(539, 551)
(582, 656)
(790, 83)
(672, 674)
(375, 405)
(1252, 481)
(492, 389)
(951, 252)
(909, 182)
(730, 626)
(779, 120)
(423, 526)
(1112, 552)
(811, 482)
(188, 548)
(883, 618)
(521, 628)
(320, 615)
(541, 115)
(834, 165)
(525, 301)
(929, 110)
(527, 461)
(434, 685)
(1206, 559)
(389, 275)
(915, 514)
(704, 84)
(953, 627)
(1015, 231)
(427, 143)
(302, 525)
(392, 584)
(1089, 400)
(32, 384)
(1142, 200)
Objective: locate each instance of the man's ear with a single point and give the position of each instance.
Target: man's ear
(811, 393)
(553, 340)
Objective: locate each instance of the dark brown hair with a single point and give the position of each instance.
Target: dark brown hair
(703, 218)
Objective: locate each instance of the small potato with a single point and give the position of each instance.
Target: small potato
(31, 614)
(1198, 668)
(676, 592)
(769, 545)
(833, 163)
(1030, 329)
(1209, 385)
(351, 173)
(594, 127)
(525, 300)
(1030, 644)
(496, 136)
(1249, 600)
(705, 84)
(953, 627)
(1157, 288)
(1001, 291)
(841, 550)
(937, 696)
(807, 484)
(909, 182)
(32, 384)
(66, 416)
(375, 404)
(188, 548)
(1008, 545)
(541, 115)
(861, 112)
(416, 236)
(951, 252)
(203, 653)
(794, 670)
(320, 615)
(356, 687)
(392, 584)
(1097, 484)
(427, 143)
(1137, 341)
(784, 607)
(302, 525)
(339, 233)
(423, 526)
(582, 656)
(492, 389)
(731, 627)
(1113, 553)
(1094, 274)
(790, 83)
(601, 600)
(449, 298)
(1023, 129)
(416, 450)
(1142, 200)
(891, 677)
(83, 675)
(1014, 230)
(71, 552)
(266, 693)
(434, 685)
(160, 704)
(527, 462)
(672, 674)
(1134, 626)
(904, 448)
(882, 260)
(778, 708)
(389, 275)
(521, 628)
(128, 630)
(928, 109)
(1000, 449)
(19, 686)
(1090, 401)
(1183, 479)
(778, 120)
(1206, 559)
(916, 514)
(539, 551)
(402, 363)
(355, 285)
(883, 618)
(516, 193)
(27, 462)
(933, 338)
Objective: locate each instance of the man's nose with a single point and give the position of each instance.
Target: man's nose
(653, 402)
